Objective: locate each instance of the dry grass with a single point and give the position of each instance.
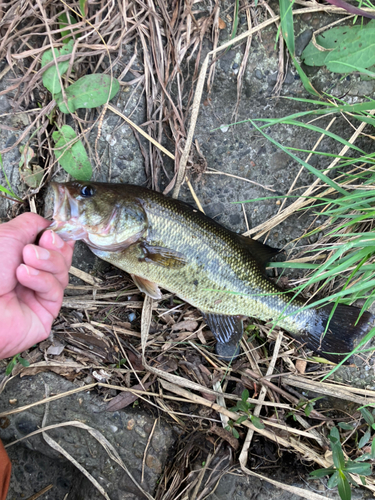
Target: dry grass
(165, 356)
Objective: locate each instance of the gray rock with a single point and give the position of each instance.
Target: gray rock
(127, 430)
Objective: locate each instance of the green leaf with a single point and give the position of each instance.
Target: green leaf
(83, 7)
(358, 51)
(367, 415)
(242, 406)
(287, 28)
(373, 448)
(88, 92)
(337, 454)
(329, 40)
(24, 362)
(344, 487)
(241, 419)
(363, 468)
(65, 22)
(256, 422)
(309, 408)
(73, 158)
(345, 426)
(333, 480)
(364, 439)
(245, 395)
(50, 77)
(235, 433)
(323, 472)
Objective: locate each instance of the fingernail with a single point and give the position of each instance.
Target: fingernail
(57, 242)
(41, 253)
(30, 270)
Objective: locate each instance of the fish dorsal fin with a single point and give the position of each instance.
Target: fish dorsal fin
(262, 253)
(148, 287)
(227, 331)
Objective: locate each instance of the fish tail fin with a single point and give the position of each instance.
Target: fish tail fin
(346, 329)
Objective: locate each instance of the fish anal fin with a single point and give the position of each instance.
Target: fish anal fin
(161, 256)
(148, 287)
(228, 332)
(262, 253)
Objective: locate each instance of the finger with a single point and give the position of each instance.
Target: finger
(52, 241)
(24, 228)
(46, 286)
(50, 261)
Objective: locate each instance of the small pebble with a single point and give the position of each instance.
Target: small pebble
(131, 317)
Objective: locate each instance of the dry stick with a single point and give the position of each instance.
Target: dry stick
(321, 387)
(245, 449)
(310, 495)
(145, 452)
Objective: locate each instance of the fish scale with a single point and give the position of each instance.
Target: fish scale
(167, 243)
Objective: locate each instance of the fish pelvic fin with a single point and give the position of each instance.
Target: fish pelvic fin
(148, 287)
(345, 331)
(228, 331)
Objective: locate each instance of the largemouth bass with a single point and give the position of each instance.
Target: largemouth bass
(167, 243)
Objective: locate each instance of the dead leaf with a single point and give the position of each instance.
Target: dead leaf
(125, 399)
(222, 24)
(188, 325)
(301, 365)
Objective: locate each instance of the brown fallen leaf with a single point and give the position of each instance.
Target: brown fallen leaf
(188, 325)
(125, 399)
(222, 24)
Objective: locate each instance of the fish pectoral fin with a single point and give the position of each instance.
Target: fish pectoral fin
(228, 331)
(262, 253)
(161, 256)
(148, 287)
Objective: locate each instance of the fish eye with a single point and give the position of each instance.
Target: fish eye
(87, 191)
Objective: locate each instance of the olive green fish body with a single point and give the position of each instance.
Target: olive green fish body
(167, 242)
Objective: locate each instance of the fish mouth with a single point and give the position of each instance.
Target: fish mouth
(65, 207)
(66, 214)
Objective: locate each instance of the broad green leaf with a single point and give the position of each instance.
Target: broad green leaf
(90, 91)
(64, 22)
(373, 448)
(235, 433)
(330, 39)
(50, 77)
(359, 51)
(72, 158)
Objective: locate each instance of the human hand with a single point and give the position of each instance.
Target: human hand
(32, 281)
